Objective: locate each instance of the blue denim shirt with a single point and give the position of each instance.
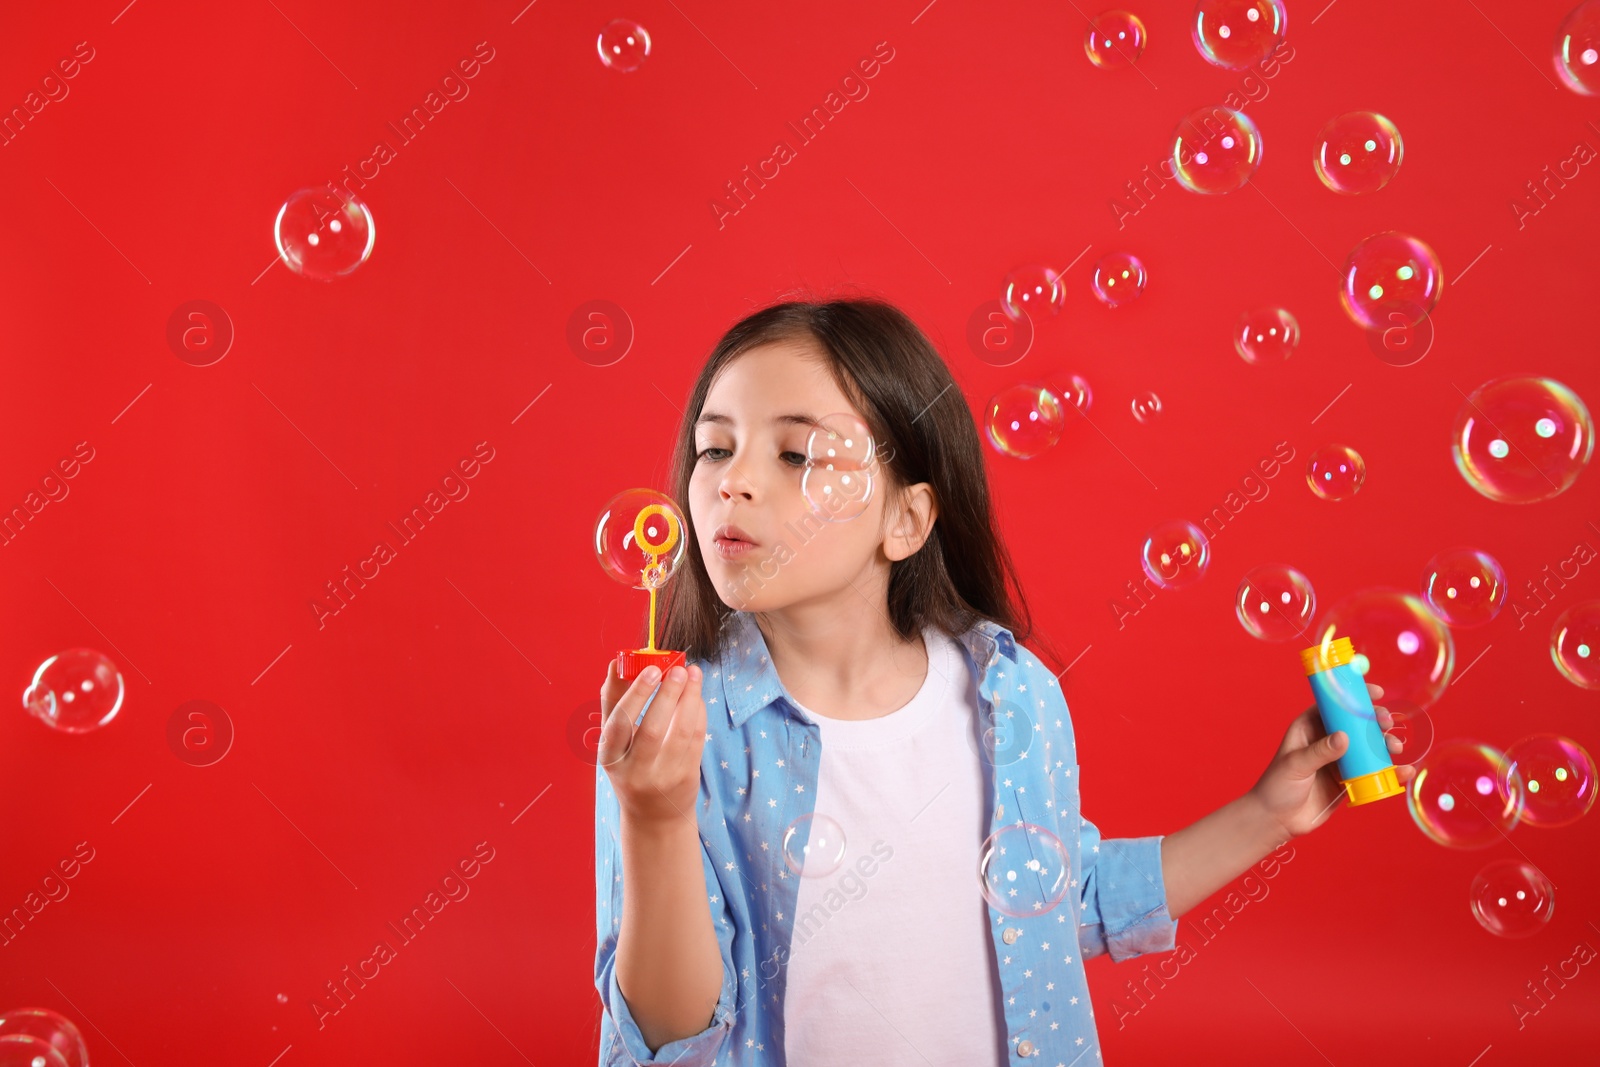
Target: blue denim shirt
(758, 774)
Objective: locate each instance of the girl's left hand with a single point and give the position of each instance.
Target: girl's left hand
(1301, 787)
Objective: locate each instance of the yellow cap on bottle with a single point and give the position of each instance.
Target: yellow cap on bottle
(1374, 786)
(1333, 653)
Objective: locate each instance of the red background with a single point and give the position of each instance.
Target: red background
(429, 713)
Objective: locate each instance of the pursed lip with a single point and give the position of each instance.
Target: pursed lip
(730, 532)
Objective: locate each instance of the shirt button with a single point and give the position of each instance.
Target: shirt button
(1025, 1048)
(1011, 935)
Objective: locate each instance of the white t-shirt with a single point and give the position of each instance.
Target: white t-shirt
(891, 961)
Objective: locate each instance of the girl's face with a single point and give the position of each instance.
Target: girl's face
(751, 447)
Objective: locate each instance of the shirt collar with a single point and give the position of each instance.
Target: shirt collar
(750, 683)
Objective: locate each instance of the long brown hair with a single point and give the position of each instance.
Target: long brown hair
(904, 390)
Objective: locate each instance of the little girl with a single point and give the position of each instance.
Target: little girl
(788, 843)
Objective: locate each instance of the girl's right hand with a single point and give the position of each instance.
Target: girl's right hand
(654, 767)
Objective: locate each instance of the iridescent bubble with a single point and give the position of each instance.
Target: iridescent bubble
(1024, 870)
(1146, 406)
(1025, 421)
(1465, 795)
(813, 846)
(1175, 554)
(841, 461)
(1411, 654)
(1115, 39)
(1073, 390)
(1215, 150)
(1391, 274)
(1414, 728)
(1558, 776)
(1336, 472)
(1511, 898)
(1035, 291)
(1275, 602)
(1238, 33)
(322, 236)
(23, 1050)
(1119, 278)
(1464, 586)
(1358, 152)
(59, 1041)
(639, 538)
(623, 44)
(1266, 335)
(1519, 440)
(1577, 50)
(1575, 644)
(75, 691)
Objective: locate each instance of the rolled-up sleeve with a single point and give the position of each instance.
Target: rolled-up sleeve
(621, 1043)
(1122, 905)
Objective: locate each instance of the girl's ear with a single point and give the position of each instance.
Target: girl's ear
(910, 517)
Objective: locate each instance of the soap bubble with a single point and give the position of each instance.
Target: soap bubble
(1577, 51)
(1146, 406)
(1519, 440)
(1336, 472)
(813, 846)
(1119, 278)
(75, 691)
(1464, 586)
(1215, 150)
(323, 236)
(1410, 653)
(1176, 554)
(1558, 777)
(1115, 39)
(1465, 795)
(1511, 898)
(1025, 421)
(1034, 291)
(1266, 335)
(623, 44)
(1024, 870)
(1358, 152)
(841, 458)
(1412, 726)
(639, 538)
(1390, 273)
(1275, 602)
(1575, 644)
(1238, 33)
(60, 1042)
(1073, 391)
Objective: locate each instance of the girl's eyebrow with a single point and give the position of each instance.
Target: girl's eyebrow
(726, 420)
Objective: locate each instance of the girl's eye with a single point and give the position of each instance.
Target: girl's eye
(704, 452)
(795, 459)
(798, 455)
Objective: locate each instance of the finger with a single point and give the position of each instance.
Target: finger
(658, 717)
(1303, 729)
(1375, 691)
(1405, 773)
(1385, 717)
(688, 728)
(1394, 744)
(611, 689)
(1306, 761)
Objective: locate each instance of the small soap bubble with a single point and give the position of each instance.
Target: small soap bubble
(1238, 33)
(1575, 644)
(1024, 870)
(322, 236)
(1336, 472)
(1033, 291)
(1175, 554)
(1464, 586)
(1519, 440)
(1215, 150)
(1390, 273)
(1411, 654)
(1275, 602)
(1266, 335)
(1146, 407)
(623, 45)
(75, 691)
(841, 464)
(1115, 39)
(1358, 152)
(1025, 421)
(1558, 776)
(1119, 278)
(1465, 795)
(39, 1037)
(1073, 390)
(813, 846)
(639, 538)
(1577, 49)
(1512, 898)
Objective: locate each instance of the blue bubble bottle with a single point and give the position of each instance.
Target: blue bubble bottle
(1365, 769)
